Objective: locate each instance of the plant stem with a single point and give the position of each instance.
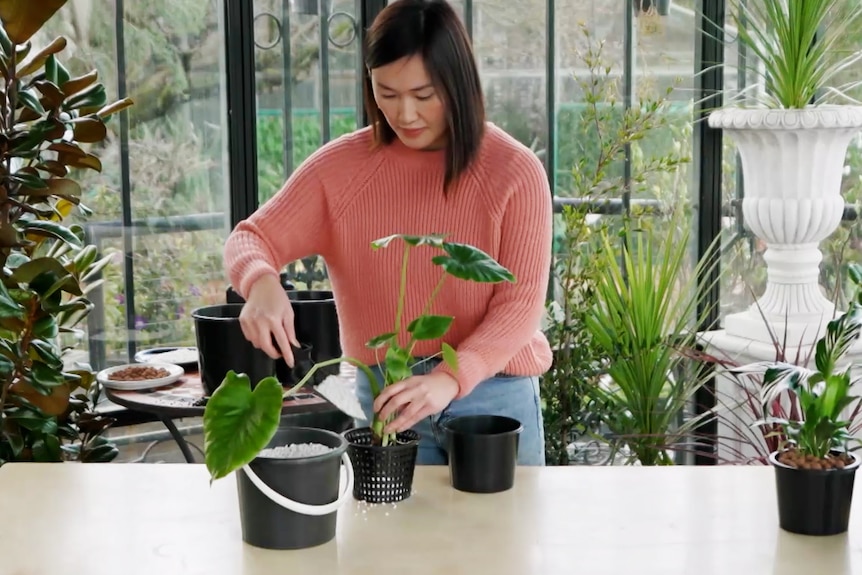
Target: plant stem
(427, 309)
(402, 291)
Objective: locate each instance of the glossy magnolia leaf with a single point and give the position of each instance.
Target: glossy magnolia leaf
(432, 240)
(53, 167)
(117, 106)
(50, 93)
(23, 18)
(89, 130)
(450, 356)
(239, 423)
(27, 272)
(44, 376)
(78, 83)
(29, 180)
(67, 149)
(380, 340)
(53, 403)
(31, 101)
(47, 449)
(15, 259)
(46, 353)
(36, 61)
(52, 73)
(92, 97)
(54, 229)
(427, 327)
(88, 161)
(45, 327)
(9, 308)
(470, 263)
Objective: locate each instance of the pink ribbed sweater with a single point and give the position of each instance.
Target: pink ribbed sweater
(349, 193)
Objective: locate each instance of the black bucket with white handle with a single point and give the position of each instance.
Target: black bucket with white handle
(292, 502)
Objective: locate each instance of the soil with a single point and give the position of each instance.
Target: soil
(793, 458)
(139, 373)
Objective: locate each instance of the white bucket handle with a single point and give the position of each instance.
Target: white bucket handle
(305, 508)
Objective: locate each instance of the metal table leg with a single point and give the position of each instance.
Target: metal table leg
(178, 438)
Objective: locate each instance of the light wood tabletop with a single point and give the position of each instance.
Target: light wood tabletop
(99, 519)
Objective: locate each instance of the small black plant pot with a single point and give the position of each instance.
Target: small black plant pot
(303, 361)
(483, 452)
(223, 347)
(383, 474)
(311, 484)
(814, 501)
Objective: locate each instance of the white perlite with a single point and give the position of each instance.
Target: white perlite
(295, 450)
(340, 392)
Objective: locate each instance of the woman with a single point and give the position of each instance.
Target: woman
(428, 163)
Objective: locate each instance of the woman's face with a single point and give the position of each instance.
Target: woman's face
(410, 103)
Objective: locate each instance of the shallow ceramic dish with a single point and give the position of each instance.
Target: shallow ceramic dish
(174, 373)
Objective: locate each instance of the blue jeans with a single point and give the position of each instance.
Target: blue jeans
(512, 396)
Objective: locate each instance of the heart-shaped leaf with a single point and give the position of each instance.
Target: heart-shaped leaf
(467, 262)
(427, 327)
(238, 422)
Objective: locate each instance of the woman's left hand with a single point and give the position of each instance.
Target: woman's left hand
(415, 398)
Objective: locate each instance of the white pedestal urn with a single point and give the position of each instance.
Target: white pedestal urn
(792, 162)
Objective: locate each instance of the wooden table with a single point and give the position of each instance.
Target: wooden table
(99, 519)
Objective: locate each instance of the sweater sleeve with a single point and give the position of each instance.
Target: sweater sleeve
(516, 309)
(292, 225)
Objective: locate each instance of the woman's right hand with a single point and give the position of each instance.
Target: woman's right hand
(267, 319)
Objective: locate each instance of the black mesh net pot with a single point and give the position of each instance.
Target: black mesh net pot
(382, 474)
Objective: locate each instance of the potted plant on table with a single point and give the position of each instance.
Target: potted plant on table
(46, 267)
(814, 470)
(239, 422)
(792, 129)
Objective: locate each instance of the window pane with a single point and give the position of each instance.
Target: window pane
(168, 171)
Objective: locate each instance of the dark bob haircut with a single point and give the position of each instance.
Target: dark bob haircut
(431, 29)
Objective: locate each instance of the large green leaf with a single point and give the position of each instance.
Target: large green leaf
(427, 327)
(470, 263)
(8, 306)
(54, 229)
(238, 422)
(23, 18)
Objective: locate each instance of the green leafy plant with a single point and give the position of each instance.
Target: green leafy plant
(46, 268)
(797, 45)
(644, 310)
(239, 422)
(820, 399)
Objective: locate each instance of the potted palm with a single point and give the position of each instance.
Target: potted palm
(46, 266)
(240, 421)
(644, 304)
(792, 129)
(814, 469)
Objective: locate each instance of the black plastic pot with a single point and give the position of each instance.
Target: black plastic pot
(316, 324)
(383, 474)
(483, 452)
(303, 361)
(223, 347)
(313, 480)
(814, 501)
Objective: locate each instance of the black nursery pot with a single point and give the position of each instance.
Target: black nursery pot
(223, 347)
(483, 452)
(814, 501)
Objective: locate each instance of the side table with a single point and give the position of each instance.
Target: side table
(185, 398)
